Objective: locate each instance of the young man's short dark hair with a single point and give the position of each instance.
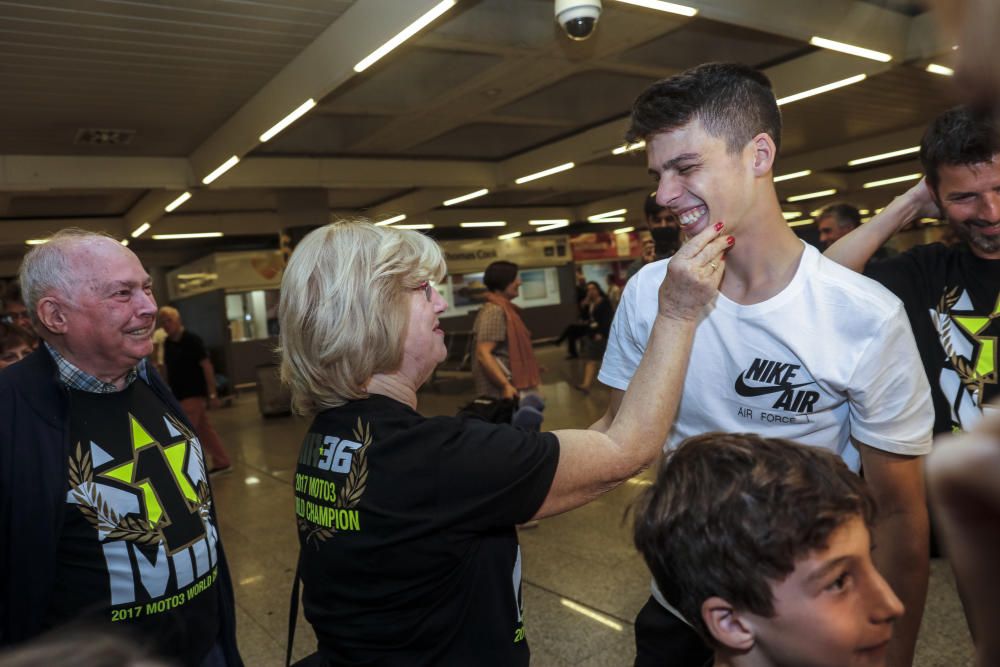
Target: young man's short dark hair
(959, 136)
(732, 101)
(730, 513)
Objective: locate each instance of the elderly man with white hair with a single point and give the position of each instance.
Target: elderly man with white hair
(106, 513)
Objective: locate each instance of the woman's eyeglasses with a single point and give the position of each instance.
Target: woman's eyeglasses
(427, 288)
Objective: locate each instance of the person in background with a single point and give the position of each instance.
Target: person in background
(13, 310)
(575, 330)
(950, 291)
(105, 504)
(664, 235)
(192, 379)
(765, 545)
(504, 362)
(837, 220)
(614, 292)
(408, 550)
(15, 344)
(599, 316)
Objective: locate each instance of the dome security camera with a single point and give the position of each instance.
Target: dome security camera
(578, 17)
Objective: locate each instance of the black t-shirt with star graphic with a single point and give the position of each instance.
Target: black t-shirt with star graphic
(138, 546)
(406, 524)
(951, 298)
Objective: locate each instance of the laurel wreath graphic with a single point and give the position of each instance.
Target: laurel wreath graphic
(104, 518)
(351, 492)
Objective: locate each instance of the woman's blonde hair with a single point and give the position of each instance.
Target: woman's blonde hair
(344, 308)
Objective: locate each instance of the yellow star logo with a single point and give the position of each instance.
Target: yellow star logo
(173, 455)
(984, 362)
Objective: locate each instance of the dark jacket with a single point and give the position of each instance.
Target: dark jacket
(34, 477)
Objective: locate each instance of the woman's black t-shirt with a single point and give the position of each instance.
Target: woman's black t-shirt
(406, 525)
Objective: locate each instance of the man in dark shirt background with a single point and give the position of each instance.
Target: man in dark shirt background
(192, 379)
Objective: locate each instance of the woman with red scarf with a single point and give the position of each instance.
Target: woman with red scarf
(504, 363)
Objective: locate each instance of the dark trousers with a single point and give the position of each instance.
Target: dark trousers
(663, 640)
(571, 333)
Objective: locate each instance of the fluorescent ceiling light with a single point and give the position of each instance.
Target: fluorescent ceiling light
(288, 120)
(177, 202)
(490, 223)
(36, 241)
(863, 211)
(790, 215)
(546, 172)
(562, 222)
(405, 34)
(140, 230)
(801, 223)
(822, 89)
(794, 174)
(471, 195)
(512, 235)
(628, 148)
(883, 156)
(940, 69)
(194, 235)
(221, 169)
(850, 49)
(125, 242)
(813, 195)
(389, 221)
(609, 216)
(662, 6)
(624, 230)
(890, 181)
(420, 226)
(591, 614)
(554, 225)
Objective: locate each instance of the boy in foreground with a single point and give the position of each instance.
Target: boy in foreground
(764, 545)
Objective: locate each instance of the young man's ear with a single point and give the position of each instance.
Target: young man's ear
(51, 315)
(764, 153)
(726, 625)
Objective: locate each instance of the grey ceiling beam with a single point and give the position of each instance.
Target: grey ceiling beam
(52, 172)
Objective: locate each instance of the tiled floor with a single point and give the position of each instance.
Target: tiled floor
(580, 560)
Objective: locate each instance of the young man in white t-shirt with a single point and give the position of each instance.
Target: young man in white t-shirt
(794, 346)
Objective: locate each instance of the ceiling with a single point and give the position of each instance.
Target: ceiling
(489, 92)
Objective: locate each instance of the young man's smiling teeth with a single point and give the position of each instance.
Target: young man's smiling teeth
(692, 215)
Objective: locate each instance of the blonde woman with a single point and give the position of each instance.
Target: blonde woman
(409, 554)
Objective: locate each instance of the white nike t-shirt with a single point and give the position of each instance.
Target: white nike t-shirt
(829, 357)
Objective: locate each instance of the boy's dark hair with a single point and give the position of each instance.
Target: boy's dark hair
(499, 275)
(847, 216)
(959, 136)
(732, 101)
(729, 514)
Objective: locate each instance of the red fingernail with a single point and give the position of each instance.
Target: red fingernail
(718, 226)
(730, 240)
